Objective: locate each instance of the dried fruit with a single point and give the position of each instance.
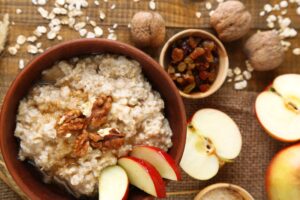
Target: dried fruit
(177, 55)
(194, 64)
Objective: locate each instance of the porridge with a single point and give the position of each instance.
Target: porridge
(84, 115)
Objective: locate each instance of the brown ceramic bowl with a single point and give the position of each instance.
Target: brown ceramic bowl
(25, 176)
(241, 191)
(164, 59)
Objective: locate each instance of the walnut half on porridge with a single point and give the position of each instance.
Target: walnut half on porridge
(86, 128)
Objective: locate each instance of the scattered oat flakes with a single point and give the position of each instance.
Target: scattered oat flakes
(198, 14)
(51, 35)
(39, 2)
(92, 23)
(79, 25)
(211, 13)
(21, 64)
(240, 85)
(44, 13)
(268, 8)
(59, 37)
(113, 6)
(112, 36)
(283, 4)
(208, 6)
(239, 77)
(247, 75)
(96, 3)
(21, 39)
(98, 31)
(237, 71)
(31, 38)
(298, 11)
(4, 26)
(296, 51)
(229, 80)
(102, 15)
(82, 32)
(60, 2)
(115, 26)
(90, 35)
(32, 49)
(18, 11)
(248, 66)
(152, 5)
(230, 73)
(12, 50)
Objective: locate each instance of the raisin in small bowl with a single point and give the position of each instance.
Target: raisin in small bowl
(196, 61)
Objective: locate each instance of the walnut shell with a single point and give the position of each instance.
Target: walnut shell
(148, 29)
(231, 20)
(264, 50)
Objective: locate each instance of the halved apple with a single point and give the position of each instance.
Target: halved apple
(144, 176)
(157, 157)
(278, 109)
(113, 184)
(213, 139)
(282, 178)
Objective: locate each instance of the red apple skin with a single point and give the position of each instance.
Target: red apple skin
(293, 162)
(168, 158)
(154, 174)
(264, 128)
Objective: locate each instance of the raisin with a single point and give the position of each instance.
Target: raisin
(181, 67)
(204, 87)
(203, 75)
(188, 89)
(177, 55)
(197, 53)
(208, 45)
(192, 42)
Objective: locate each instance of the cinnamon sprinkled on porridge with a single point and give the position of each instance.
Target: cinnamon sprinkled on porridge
(85, 113)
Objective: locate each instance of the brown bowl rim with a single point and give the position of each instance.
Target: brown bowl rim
(184, 33)
(136, 53)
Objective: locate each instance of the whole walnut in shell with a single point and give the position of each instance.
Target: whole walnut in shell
(231, 20)
(148, 29)
(264, 50)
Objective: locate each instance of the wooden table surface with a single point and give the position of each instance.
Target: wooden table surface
(179, 15)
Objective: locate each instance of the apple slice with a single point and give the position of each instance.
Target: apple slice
(157, 157)
(278, 109)
(213, 139)
(282, 178)
(144, 176)
(113, 184)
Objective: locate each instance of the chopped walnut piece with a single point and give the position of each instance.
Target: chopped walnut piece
(81, 144)
(72, 122)
(100, 110)
(95, 137)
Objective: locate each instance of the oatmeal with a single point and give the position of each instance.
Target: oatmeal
(85, 114)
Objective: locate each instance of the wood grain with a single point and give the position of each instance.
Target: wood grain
(258, 149)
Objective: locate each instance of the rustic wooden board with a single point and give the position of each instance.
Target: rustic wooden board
(248, 170)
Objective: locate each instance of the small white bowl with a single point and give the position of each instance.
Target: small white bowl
(223, 60)
(246, 195)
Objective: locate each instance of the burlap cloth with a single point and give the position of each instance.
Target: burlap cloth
(249, 169)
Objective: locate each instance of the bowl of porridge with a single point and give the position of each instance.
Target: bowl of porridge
(80, 106)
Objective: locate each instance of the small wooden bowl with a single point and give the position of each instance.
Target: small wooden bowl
(164, 59)
(246, 195)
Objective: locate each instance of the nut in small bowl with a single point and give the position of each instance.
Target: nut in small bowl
(223, 191)
(196, 61)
